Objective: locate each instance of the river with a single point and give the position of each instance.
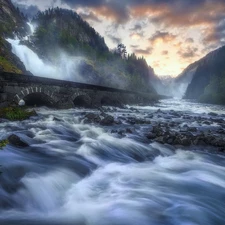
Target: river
(76, 173)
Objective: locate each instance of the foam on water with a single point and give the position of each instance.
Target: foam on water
(75, 173)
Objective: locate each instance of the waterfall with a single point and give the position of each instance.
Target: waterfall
(66, 69)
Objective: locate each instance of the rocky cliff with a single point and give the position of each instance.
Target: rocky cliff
(208, 78)
(12, 23)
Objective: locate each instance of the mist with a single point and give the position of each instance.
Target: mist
(63, 66)
(175, 86)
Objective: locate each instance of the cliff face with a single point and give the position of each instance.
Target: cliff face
(12, 23)
(209, 69)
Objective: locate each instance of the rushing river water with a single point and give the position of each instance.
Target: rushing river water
(76, 173)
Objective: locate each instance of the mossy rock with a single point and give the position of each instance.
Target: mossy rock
(8, 67)
(16, 113)
(3, 143)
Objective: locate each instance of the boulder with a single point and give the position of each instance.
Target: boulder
(16, 141)
(107, 121)
(212, 114)
(151, 135)
(92, 118)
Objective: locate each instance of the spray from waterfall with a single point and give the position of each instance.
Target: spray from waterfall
(66, 69)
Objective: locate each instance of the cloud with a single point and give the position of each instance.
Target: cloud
(189, 52)
(90, 16)
(165, 52)
(136, 35)
(134, 46)
(179, 24)
(161, 36)
(114, 39)
(189, 40)
(146, 51)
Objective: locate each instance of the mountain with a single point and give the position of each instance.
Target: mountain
(65, 29)
(208, 82)
(12, 23)
(62, 34)
(57, 43)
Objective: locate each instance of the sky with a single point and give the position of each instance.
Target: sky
(170, 34)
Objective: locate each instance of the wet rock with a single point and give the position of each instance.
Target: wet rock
(118, 122)
(184, 129)
(131, 120)
(206, 122)
(57, 119)
(113, 131)
(129, 131)
(218, 120)
(92, 118)
(185, 141)
(121, 132)
(107, 121)
(219, 142)
(192, 129)
(175, 114)
(17, 141)
(151, 135)
(212, 114)
(160, 139)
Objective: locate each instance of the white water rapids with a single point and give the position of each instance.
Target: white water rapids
(74, 173)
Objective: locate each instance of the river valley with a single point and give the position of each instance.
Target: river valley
(152, 165)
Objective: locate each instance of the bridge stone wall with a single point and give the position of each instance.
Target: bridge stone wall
(62, 94)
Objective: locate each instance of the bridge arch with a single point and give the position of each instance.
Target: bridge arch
(36, 96)
(81, 99)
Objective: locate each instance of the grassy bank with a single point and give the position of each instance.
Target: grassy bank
(16, 113)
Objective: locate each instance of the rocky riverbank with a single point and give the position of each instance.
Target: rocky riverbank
(175, 128)
(80, 165)
(178, 129)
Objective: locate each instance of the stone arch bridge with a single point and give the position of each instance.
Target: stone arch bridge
(62, 94)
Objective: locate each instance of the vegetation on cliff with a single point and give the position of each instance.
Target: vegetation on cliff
(12, 22)
(65, 29)
(208, 83)
(215, 90)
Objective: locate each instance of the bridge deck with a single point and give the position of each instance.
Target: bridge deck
(20, 78)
